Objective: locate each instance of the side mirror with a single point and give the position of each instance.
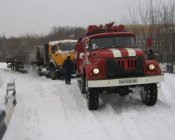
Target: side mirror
(87, 46)
(53, 49)
(94, 46)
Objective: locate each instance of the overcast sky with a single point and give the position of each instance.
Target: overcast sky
(18, 17)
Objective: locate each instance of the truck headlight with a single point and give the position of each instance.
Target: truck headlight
(152, 66)
(96, 71)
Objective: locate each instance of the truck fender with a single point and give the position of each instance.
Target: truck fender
(52, 63)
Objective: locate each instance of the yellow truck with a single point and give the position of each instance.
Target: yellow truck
(50, 57)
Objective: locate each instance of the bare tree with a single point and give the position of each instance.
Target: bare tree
(155, 20)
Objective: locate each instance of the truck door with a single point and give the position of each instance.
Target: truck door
(82, 55)
(55, 55)
(78, 60)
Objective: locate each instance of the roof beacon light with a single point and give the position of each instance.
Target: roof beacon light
(94, 29)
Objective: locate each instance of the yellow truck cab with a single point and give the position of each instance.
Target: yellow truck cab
(50, 57)
(59, 50)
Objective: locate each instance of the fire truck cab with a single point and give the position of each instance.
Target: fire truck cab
(107, 60)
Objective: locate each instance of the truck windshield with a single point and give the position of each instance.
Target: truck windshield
(69, 46)
(114, 42)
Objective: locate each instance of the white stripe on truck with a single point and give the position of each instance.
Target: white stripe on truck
(116, 53)
(131, 52)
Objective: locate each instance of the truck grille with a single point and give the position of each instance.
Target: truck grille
(127, 63)
(124, 67)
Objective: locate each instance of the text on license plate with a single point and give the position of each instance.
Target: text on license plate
(127, 81)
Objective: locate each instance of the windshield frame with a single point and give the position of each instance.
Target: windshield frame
(63, 48)
(131, 42)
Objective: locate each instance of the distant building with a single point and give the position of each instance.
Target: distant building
(163, 40)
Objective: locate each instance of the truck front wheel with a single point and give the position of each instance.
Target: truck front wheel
(13, 67)
(82, 85)
(53, 73)
(149, 94)
(92, 99)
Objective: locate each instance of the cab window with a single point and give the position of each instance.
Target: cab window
(69, 46)
(54, 48)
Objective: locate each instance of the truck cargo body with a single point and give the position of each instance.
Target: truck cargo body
(42, 54)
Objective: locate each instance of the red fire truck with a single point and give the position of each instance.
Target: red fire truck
(107, 60)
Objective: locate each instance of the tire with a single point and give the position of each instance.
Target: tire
(149, 94)
(82, 85)
(92, 100)
(14, 68)
(53, 73)
(39, 71)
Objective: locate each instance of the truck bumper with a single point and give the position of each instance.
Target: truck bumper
(125, 81)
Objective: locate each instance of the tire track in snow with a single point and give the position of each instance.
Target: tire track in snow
(166, 90)
(92, 113)
(110, 108)
(51, 110)
(126, 119)
(110, 112)
(61, 100)
(72, 104)
(25, 108)
(76, 107)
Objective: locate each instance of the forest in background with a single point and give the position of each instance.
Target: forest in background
(27, 43)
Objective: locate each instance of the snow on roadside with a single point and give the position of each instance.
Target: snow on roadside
(3, 85)
(50, 109)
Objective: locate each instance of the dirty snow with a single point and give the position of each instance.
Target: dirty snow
(51, 110)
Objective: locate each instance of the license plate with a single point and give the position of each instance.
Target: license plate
(127, 81)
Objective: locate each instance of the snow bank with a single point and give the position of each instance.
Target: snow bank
(51, 110)
(3, 65)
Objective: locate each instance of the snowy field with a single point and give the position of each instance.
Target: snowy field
(51, 110)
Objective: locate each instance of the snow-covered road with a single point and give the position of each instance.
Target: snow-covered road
(51, 110)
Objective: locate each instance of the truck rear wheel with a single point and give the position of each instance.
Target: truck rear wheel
(92, 99)
(149, 94)
(53, 73)
(13, 67)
